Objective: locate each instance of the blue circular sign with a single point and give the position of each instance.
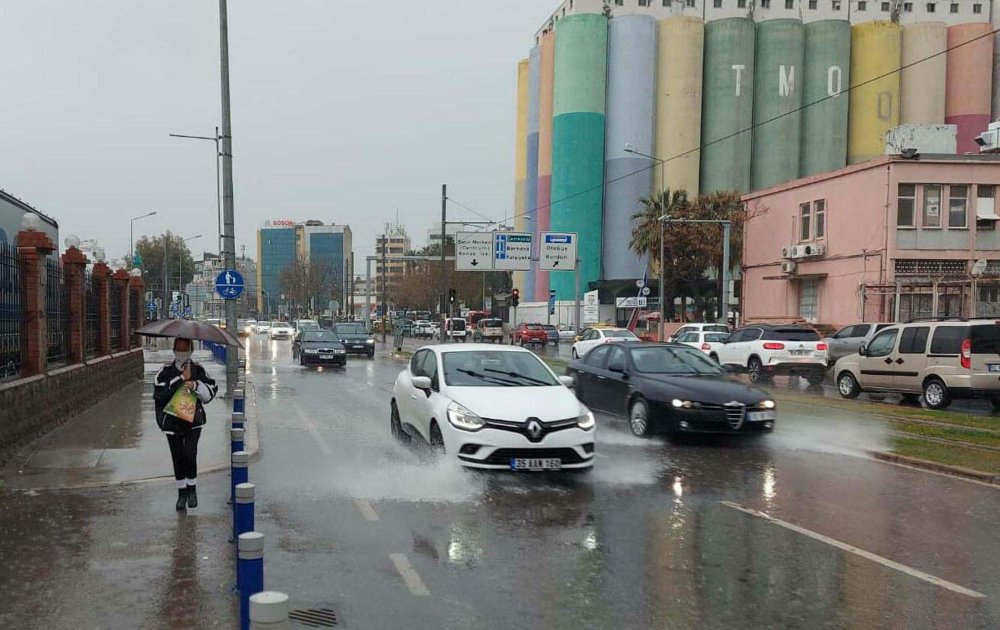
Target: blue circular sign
(229, 284)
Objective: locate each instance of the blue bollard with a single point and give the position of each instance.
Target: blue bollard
(250, 572)
(240, 472)
(239, 402)
(236, 439)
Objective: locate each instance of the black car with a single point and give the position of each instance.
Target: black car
(669, 388)
(355, 338)
(321, 347)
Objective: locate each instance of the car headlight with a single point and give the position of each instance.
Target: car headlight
(462, 418)
(684, 404)
(310, 351)
(369, 341)
(767, 404)
(586, 419)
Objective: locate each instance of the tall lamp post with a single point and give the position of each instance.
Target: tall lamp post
(663, 180)
(727, 227)
(218, 196)
(131, 235)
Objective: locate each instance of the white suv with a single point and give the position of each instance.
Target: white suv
(765, 350)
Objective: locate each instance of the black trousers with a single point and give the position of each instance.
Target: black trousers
(184, 453)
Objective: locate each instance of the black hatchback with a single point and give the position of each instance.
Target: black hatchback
(669, 388)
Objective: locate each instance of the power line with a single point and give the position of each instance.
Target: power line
(700, 147)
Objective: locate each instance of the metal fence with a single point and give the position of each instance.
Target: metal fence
(115, 311)
(56, 312)
(11, 344)
(91, 319)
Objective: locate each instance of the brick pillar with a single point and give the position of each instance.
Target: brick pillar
(74, 268)
(101, 278)
(32, 248)
(121, 278)
(135, 287)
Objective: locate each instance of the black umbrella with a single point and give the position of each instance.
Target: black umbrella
(189, 329)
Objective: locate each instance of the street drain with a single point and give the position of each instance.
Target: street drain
(315, 617)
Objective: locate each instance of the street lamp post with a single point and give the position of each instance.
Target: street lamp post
(218, 196)
(727, 227)
(663, 180)
(131, 236)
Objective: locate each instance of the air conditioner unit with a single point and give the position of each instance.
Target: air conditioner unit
(786, 252)
(788, 267)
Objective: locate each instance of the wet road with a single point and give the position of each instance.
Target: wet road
(657, 535)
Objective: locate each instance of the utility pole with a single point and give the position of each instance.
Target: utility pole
(228, 235)
(445, 305)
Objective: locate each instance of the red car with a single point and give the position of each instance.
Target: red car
(530, 333)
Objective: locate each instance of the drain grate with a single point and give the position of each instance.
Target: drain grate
(324, 617)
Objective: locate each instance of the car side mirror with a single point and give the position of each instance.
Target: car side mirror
(422, 382)
(863, 350)
(568, 381)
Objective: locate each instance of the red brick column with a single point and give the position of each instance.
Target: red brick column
(101, 278)
(33, 247)
(74, 268)
(121, 278)
(135, 286)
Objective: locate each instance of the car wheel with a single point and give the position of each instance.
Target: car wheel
(396, 425)
(756, 370)
(638, 418)
(574, 354)
(848, 386)
(816, 379)
(437, 441)
(936, 394)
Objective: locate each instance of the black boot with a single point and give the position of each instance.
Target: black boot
(182, 498)
(192, 496)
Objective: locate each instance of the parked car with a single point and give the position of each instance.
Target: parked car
(489, 329)
(651, 386)
(551, 333)
(567, 332)
(281, 330)
(530, 334)
(496, 407)
(765, 350)
(456, 329)
(849, 339)
(355, 338)
(707, 342)
(594, 337)
(321, 347)
(699, 327)
(943, 360)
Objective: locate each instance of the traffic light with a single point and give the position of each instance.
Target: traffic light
(515, 297)
(451, 296)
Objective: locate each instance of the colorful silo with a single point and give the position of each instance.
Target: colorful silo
(527, 288)
(777, 102)
(727, 105)
(545, 102)
(578, 125)
(922, 80)
(875, 61)
(679, 101)
(630, 124)
(825, 102)
(521, 156)
(969, 82)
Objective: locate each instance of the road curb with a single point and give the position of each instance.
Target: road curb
(927, 464)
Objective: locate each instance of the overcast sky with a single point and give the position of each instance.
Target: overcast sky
(344, 111)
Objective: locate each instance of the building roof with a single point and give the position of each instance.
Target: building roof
(27, 208)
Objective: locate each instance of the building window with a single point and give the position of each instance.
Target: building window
(958, 206)
(819, 217)
(905, 203)
(862, 5)
(932, 206)
(930, 7)
(954, 7)
(805, 221)
(977, 8)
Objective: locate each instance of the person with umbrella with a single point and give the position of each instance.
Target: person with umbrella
(181, 390)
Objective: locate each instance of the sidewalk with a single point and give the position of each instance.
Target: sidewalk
(117, 441)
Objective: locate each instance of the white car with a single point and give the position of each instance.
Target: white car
(495, 407)
(281, 330)
(703, 327)
(765, 350)
(594, 337)
(707, 342)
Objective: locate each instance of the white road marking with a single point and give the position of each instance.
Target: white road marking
(961, 590)
(313, 430)
(366, 510)
(409, 575)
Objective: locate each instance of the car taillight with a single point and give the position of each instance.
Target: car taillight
(774, 346)
(821, 346)
(706, 346)
(967, 354)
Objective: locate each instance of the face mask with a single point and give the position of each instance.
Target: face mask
(182, 357)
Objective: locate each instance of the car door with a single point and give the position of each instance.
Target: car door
(911, 359)
(877, 365)
(589, 380)
(614, 387)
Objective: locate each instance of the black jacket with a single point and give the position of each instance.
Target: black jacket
(167, 381)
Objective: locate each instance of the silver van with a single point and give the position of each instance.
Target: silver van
(942, 360)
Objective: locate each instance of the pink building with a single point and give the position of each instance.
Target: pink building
(890, 239)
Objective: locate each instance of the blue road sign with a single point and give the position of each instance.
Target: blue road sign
(229, 284)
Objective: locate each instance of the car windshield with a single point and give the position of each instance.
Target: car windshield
(619, 334)
(318, 335)
(671, 360)
(495, 368)
(791, 334)
(351, 329)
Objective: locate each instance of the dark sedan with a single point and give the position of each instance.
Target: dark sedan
(321, 347)
(356, 338)
(669, 388)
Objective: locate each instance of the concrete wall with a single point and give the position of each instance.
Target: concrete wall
(30, 407)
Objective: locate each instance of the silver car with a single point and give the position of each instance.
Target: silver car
(849, 339)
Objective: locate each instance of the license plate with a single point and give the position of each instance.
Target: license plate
(518, 463)
(799, 353)
(993, 367)
(760, 416)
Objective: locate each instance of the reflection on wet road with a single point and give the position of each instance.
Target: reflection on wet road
(656, 535)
